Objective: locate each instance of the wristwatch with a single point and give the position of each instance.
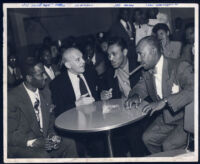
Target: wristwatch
(165, 100)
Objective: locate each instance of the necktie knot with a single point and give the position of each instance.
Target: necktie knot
(36, 104)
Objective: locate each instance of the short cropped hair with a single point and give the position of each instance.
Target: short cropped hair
(118, 41)
(160, 26)
(153, 41)
(28, 67)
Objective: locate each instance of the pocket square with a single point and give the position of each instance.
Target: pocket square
(175, 88)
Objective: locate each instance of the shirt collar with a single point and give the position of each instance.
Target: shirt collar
(31, 93)
(46, 68)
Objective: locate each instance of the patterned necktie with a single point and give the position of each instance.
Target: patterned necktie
(36, 107)
(83, 88)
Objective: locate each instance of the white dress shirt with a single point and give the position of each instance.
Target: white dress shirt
(76, 84)
(158, 76)
(142, 31)
(50, 72)
(11, 69)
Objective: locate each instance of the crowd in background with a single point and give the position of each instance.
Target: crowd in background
(126, 32)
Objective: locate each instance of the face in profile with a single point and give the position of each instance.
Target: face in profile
(74, 61)
(190, 35)
(47, 58)
(147, 55)
(116, 55)
(38, 77)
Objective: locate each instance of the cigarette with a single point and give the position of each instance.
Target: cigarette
(136, 69)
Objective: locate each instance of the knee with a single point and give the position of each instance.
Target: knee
(167, 146)
(146, 138)
(42, 154)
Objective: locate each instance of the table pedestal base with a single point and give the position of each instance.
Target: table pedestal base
(110, 150)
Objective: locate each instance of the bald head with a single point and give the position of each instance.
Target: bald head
(73, 60)
(148, 50)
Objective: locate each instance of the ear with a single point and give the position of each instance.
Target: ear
(167, 33)
(67, 65)
(28, 78)
(125, 51)
(153, 50)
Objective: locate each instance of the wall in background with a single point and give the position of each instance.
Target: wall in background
(30, 26)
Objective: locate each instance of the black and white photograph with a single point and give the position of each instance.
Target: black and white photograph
(102, 82)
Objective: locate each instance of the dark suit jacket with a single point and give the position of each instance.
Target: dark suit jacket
(175, 73)
(63, 95)
(110, 82)
(22, 121)
(14, 80)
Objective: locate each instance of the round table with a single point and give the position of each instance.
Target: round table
(99, 116)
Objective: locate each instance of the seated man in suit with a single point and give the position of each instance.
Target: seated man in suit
(117, 84)
(74, 87)
(31, 120)
(170, 84)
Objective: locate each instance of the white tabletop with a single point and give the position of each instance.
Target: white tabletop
(99, 116)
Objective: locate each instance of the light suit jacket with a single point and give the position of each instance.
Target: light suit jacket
(176, 73)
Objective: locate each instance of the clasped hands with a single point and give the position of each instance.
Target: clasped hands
(51, 142)
(84, 100)
(152, 107)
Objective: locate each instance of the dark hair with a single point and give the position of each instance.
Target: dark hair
(153, 41)
(42, 50)
(189, 25)
(27, 67)
(161, 26)
(119, 41)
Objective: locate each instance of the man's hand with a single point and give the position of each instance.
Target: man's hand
(43, 143)
(135, 99)
(153, 107)
(83, 100)
(106, 95)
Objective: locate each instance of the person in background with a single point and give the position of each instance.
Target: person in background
(187, 53)
(50, 69)
(177, 34)
(170, 49)
(170, 84)
(14, 73)
(124, 28)
(31, 119)
(141, 27)
(155, 17)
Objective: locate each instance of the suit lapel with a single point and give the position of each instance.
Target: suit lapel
(69, 87)
(28, 110)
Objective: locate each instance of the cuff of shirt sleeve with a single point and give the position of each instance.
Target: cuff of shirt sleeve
(30, 143)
